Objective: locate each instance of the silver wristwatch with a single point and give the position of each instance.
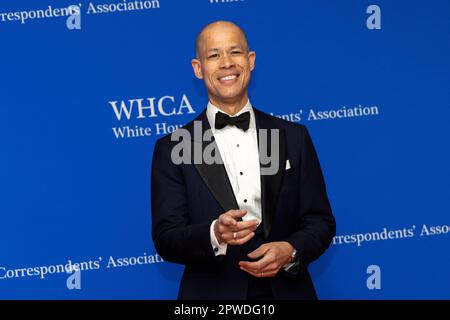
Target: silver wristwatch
(294, 255)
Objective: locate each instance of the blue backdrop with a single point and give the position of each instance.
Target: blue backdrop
(80, 110)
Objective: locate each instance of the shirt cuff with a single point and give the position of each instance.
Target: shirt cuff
(219, 249)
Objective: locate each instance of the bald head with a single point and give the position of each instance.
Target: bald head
(225, 64)
(217, 26)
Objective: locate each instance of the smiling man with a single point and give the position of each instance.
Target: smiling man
(225, 63)
(240, 232)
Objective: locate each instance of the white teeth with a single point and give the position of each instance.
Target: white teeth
(232, 77)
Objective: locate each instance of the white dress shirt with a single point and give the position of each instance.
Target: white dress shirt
(239, 152)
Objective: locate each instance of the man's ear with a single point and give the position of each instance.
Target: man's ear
(252, 58)
(197, 66)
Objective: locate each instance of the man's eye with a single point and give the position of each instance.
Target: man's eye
(236, 52)
(213, 56)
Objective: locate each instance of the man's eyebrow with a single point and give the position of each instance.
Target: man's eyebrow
(231, 48)
(237, 47)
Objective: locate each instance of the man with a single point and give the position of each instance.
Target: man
(241, 230)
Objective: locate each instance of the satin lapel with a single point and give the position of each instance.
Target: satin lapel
(270, 184)
(214, 175)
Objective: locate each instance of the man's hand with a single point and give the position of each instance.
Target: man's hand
(231, 230)
(274, 256)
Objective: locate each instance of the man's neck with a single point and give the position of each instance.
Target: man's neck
(230, 108)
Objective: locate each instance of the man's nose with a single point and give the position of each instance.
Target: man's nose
(226, 62)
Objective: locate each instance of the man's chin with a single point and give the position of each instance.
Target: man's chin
(229, 102)
(231, 95)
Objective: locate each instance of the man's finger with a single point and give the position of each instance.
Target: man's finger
(231, 235)
(271, 267)
(236, 213)
(227, 220)
(241, 240)
(250, 224)
(259, 265)
(243, 233)
(228, 223)
(262, 274)
(259, 252)
(255, 266)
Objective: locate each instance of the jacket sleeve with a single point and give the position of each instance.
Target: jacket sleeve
(175, 238)
(317, 224)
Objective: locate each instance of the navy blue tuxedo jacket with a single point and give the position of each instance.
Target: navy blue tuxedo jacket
(186, 198)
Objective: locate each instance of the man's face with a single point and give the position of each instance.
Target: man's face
(225, 64)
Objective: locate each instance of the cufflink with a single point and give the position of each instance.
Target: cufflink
(216, 249)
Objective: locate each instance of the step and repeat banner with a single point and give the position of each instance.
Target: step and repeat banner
(86, 88)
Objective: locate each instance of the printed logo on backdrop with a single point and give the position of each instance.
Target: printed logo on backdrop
(224, 1)
(73, 270)
(74, 12)
(388, 234)
(323, 113)
(145, 117)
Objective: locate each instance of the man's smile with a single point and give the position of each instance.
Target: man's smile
(228, 79)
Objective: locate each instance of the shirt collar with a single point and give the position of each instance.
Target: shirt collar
(211, 111)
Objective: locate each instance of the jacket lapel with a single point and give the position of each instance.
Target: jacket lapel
(216, 178)
(214, 175)
(270, 183)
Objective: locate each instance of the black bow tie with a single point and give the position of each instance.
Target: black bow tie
(242, 121)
